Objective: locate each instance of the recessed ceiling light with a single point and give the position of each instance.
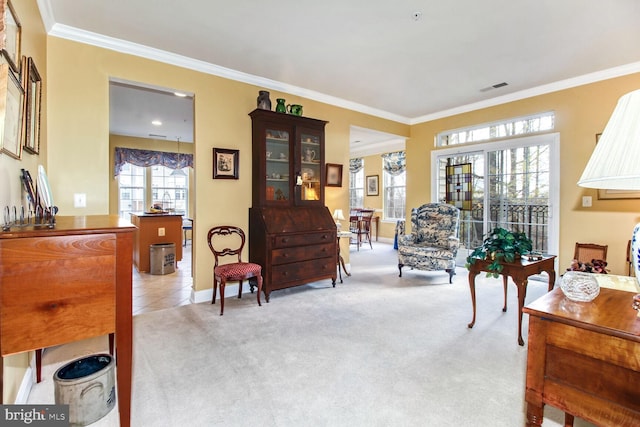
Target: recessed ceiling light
(156, 123)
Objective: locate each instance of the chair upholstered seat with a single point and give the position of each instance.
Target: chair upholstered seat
(433, 242)
(238, 271)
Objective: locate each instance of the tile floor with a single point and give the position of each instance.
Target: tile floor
(156, 292)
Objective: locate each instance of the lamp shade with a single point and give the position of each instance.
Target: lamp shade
(615, 162)
(338, 215)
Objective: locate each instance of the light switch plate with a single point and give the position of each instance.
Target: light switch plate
(79, 200)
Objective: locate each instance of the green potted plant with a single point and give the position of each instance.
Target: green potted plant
(500, 245)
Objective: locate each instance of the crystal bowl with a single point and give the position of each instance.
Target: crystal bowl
(579, 286)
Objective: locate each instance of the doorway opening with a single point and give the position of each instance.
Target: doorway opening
(154, 128)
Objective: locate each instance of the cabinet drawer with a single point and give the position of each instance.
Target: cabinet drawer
(303, 270)
(302, 253)
(288, 240)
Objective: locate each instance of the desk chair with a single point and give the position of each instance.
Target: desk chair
(222, 237)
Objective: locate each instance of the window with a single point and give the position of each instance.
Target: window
(512, 127)
(356, 184)
(131, 182)
(168, 188)
(394, 185)
(394, 195)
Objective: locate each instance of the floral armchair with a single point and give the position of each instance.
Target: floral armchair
(433, 242)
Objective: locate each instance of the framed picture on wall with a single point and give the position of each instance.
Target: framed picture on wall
(10, 35)
(226, 163)
(334, 175)
(372, 185)
(32, 84)
(11, 103)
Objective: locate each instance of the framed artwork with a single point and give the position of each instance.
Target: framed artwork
(11, 103)
(616, 194)
(10, 35)
(334, 175)
(372, 185)
(32, 84)
(459, 191)
(226, 163)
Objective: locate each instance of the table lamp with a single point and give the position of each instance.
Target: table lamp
(615, 163)
(338, 216)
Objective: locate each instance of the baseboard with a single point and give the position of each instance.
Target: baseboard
(28, 380)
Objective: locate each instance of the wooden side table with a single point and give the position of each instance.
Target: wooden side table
(583, 359)
(519, 271)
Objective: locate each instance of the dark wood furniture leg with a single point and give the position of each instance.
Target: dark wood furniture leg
(568, 420)
(472, 288)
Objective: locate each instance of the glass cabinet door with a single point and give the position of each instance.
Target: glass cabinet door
(310, 170)
(277, 167)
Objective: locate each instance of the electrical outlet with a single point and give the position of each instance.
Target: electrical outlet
(79, 200)
(586, 201)
(160, 231)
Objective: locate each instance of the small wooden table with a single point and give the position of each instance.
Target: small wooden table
(519, 271)
(583, 359)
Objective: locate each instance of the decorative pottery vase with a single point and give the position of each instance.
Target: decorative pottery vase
(280, 106)
(264, 103)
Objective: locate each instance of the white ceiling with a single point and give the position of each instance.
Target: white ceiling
(373, 56)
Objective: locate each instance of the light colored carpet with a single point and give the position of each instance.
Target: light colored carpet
(377, 350)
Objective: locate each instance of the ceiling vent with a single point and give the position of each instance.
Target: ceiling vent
(495, 86)
(153, 135)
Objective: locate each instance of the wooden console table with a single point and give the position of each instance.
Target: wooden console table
(66, 284)
(519, 271)
(583, 359)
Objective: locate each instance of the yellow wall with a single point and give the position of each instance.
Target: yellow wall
(581, 112)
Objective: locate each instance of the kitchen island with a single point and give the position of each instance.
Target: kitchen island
(153, 228)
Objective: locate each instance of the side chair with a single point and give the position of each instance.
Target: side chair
(586, 252)
(218, 238)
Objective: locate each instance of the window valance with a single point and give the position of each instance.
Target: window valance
(356, 165)
(144, 158)
(394, 163)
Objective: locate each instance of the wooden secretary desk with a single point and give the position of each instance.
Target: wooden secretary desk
(66, 284)
(292, 234)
